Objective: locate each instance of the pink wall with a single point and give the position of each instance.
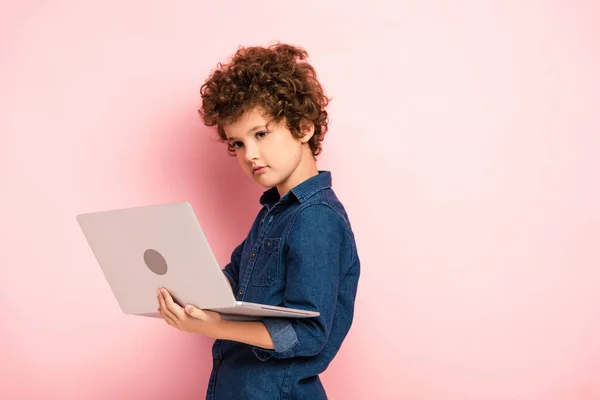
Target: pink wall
(464, 142)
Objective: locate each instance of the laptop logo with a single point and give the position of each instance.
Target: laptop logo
(155, 262)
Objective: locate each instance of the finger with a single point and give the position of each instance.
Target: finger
(162, 314)
(171, 305)
(196, 313)
(167, 314)
(168, 320)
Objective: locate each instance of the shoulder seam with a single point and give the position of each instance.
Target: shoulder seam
(347, 227)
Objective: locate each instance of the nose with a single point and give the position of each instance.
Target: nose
(251, 152)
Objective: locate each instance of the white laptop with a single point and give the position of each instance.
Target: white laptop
(143, 248)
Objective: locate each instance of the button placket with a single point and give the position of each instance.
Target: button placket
(266, 222)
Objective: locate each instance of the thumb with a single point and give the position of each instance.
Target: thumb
(195, 312)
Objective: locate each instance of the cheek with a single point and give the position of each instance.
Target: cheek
(287, 151)
(240, 159)
(294, 152)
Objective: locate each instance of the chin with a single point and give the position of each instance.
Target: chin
(267, 183)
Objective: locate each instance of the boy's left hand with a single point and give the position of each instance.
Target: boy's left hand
(190, 319)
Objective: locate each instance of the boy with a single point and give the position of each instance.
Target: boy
(300, 252)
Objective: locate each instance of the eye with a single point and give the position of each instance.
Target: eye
(260, 135)
(237, 145)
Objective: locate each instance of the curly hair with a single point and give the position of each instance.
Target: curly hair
(275, 78)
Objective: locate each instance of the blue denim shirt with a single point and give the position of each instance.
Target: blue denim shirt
(299, 253)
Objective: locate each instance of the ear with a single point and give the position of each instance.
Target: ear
(308, 129)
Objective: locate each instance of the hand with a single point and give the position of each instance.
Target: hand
(190, 319)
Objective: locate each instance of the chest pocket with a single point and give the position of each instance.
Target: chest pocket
(268, 265)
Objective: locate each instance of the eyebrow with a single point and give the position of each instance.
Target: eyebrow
(251, 130)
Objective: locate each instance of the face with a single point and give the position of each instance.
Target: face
(268, 152)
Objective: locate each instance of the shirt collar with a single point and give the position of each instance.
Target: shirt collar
(302, 192)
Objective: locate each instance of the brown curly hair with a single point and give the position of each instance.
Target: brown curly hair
(275, 78)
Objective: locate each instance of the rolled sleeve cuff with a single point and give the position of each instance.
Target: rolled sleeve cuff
(284, 339)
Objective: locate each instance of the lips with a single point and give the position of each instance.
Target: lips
(259, 169)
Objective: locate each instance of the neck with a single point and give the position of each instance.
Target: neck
(305, 170)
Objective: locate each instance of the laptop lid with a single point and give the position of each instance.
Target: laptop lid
(143, 248)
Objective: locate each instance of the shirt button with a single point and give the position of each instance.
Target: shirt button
(240, 293)
(253, 254)
(262, 220)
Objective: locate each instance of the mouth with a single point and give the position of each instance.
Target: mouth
(259, 170)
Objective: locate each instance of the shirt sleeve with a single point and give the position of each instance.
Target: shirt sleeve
(315, 245)
(232, 269)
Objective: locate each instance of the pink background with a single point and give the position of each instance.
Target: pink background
(464, 142)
